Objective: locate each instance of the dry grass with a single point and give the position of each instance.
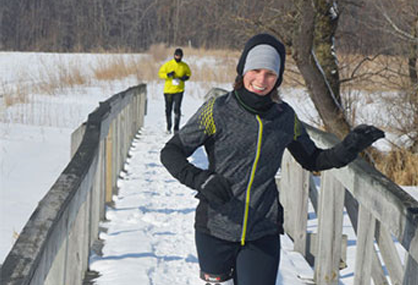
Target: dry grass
(14, 95)
(400, 165)
(115, 68)
(221, 72)
(64, 75)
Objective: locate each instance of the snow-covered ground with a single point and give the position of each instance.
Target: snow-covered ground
(149, 236)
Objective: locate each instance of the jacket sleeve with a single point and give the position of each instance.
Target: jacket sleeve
(312, 158)
(162, 73)
(188, 71)
(174, 158)
(193, 135)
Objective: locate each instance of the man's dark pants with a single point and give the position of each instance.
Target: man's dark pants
(170, 100)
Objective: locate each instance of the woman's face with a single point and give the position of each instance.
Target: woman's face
(260, 81)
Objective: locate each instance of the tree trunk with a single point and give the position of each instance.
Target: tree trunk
(413, 77)
(327, 17)
(413, 54)
(324, 91)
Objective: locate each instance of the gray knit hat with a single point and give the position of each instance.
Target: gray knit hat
(263, 57)
(263, 39)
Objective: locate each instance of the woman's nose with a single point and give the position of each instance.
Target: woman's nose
(261, 77)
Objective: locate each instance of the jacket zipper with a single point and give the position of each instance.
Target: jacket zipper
(250, 182)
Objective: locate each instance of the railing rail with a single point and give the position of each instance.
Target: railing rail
(379, 210)
(54, 246)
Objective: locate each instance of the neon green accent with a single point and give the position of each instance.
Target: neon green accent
(206, 118)
(296, 128)
(250, 182)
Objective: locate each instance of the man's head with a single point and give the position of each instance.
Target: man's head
(178, 54)
(263, 52)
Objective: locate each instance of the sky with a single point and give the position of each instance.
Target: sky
(149, 232)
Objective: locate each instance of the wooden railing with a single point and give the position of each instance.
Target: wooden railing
(380, 211)
(54, 246)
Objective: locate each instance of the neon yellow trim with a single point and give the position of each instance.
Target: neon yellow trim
(250, 182)
(296, 128)
(206, 118)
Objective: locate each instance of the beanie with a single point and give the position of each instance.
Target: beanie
(179, 52)
(263, 57)
(263, 39)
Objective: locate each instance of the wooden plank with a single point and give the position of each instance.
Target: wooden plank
(109, 168)
(285, 192)
(300, 207)
(378, 274)
(294, 192)
(312, 251)
(389, 254)
(351, 206)
(411, 271)
(330, 218)
(365, 247)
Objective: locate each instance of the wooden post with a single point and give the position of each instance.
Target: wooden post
(365, 247)
(389, 253)
(330, 218)
(109, 168)
(300, 207)
(294, 192)
(351, 205)
(411, 271)
(285, 193)
(115, 153)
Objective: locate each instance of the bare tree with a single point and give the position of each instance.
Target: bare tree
(399, 19)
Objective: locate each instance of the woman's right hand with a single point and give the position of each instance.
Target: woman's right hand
(216, 189)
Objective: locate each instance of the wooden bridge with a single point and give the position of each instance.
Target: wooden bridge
(54, 246)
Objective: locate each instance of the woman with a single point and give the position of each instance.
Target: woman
(245, 132)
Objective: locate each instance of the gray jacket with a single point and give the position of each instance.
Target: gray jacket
(247, 150)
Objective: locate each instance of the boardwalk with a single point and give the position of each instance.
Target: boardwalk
(148, 238)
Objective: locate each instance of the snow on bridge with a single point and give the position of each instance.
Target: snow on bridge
(149, 236)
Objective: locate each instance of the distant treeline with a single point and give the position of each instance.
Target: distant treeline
(85, 25)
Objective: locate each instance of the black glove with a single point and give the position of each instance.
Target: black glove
(215, 189)
(362, 137)
(170, 74)
(184, 78)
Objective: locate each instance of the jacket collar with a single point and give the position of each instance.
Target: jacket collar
(237, 108)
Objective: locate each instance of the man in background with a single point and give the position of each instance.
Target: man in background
(175, 72)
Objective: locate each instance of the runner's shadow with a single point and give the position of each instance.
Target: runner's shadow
(166, 211)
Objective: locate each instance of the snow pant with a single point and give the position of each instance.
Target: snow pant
(257, 262)
(170, 100)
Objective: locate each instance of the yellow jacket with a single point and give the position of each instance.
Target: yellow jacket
(174, 85)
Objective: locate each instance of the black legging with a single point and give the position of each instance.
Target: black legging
(171, 99)
(257, 262)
